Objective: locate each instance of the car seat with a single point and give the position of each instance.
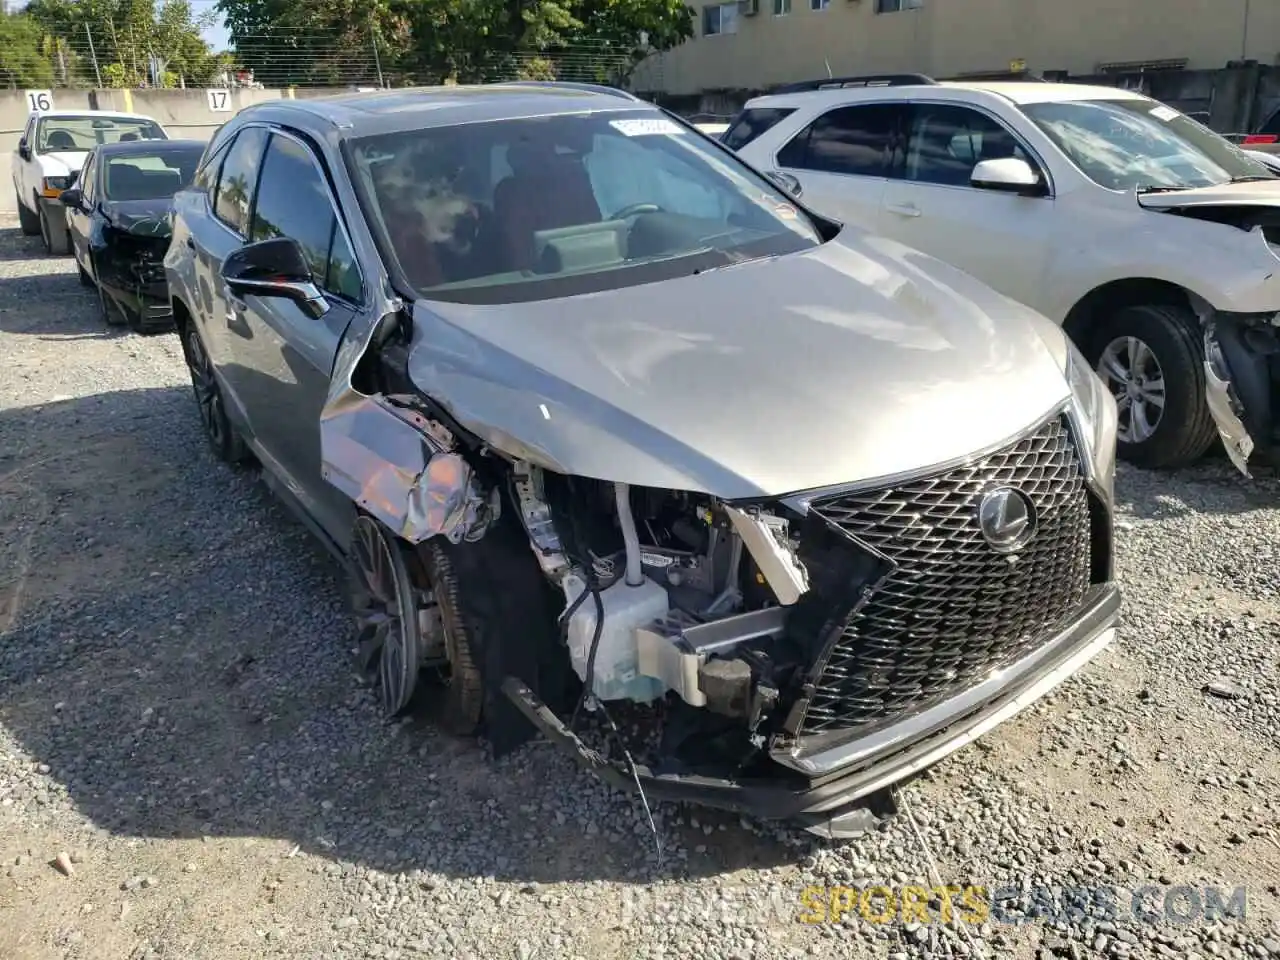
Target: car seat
(546, 190)
(60, 140)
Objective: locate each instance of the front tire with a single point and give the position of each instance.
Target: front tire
(28, 220)
(57, 239)
(1151, 357)
(226, 443)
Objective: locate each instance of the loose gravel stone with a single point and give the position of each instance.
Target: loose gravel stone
(177, 707)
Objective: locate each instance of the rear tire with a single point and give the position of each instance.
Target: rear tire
(57, 239)
(1168, 346)
(28, 220)
(227, 445)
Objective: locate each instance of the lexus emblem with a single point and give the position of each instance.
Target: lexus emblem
(1007, 519)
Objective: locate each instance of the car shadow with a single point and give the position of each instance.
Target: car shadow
(175, 652)
(1213, 484)
(48, 302)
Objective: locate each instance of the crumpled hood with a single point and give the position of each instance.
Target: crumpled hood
(62, 162)
(1260, 193)
(143, 218)
(770, 377)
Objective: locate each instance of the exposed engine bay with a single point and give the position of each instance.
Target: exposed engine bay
(680, 596)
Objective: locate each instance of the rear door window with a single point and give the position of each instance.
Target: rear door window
(857, 140)
(752, 123)
(239, 179)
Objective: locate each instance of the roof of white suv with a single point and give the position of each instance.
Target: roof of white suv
(1020, 93)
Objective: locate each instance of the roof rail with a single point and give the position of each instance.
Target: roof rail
(870, 80)
(570, 85)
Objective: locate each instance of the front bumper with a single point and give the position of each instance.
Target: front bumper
(149, 302)
(837, 803)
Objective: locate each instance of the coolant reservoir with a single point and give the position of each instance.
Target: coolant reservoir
(617, 673)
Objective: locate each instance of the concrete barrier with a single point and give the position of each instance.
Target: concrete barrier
(184, 113)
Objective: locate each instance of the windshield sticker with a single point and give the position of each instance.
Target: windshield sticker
(1163, 113)
(646, 126)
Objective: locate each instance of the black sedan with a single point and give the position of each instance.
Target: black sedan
(118, 218)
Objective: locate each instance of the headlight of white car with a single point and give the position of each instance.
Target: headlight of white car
(1093, 409)
(57, 183)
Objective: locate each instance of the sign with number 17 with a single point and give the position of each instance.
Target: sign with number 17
(219, 100)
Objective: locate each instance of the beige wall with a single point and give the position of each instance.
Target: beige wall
(948, 37)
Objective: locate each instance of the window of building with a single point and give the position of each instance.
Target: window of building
(819, 4)
(720, 18)
(849, 140)
(895, 6)
(781, 7)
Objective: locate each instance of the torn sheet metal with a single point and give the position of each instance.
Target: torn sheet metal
(396, 464)
(1224, 406)
(388, 463)
(765, 539)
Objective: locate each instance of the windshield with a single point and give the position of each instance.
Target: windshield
(1130, 144)
(153, 175)
(80, 134)
(531, 209)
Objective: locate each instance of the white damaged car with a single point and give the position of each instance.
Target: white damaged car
(52, 150)
(1151, 239)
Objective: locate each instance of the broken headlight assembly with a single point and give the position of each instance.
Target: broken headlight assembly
(52, 186)
(1094, 417)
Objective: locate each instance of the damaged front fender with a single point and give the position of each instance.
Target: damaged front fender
(397, 464)
(1240, 352)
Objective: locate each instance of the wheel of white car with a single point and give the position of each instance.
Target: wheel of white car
(28, 219)
(57, 240)
(1151, 357)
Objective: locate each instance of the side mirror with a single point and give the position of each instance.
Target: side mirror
(787, 182)
(275, 268)
(1008, 174)
(72, 197)
(24, 149)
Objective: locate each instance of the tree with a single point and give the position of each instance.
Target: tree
(134, 42)
(433, 41)
(22, 63)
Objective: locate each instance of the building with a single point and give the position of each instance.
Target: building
(754, 44)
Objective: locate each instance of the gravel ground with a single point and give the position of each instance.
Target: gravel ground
(181, 733)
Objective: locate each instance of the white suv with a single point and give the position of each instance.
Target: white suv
(1149, 237)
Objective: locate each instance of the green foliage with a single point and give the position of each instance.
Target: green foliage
(22, 59)
(124, 35)
(302, 42)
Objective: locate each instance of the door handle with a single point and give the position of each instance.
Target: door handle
(904, 209)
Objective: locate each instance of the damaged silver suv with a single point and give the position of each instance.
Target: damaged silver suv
(599, 418)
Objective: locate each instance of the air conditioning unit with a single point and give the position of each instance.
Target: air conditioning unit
(748, 8)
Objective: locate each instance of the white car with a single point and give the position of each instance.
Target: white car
(1151, 239)
(50, 153)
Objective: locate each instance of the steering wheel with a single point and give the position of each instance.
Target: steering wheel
(633, 209)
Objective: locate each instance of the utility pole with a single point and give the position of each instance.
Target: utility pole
(1244, 33)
